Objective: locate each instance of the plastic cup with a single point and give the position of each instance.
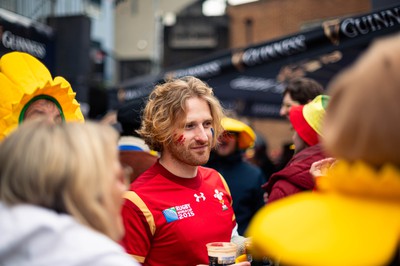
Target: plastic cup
(221, 253)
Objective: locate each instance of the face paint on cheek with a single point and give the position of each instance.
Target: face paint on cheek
(212, 132)
(180, 140)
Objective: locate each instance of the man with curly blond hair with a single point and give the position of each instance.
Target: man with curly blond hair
(177, 206)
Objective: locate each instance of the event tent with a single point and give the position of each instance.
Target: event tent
(250, 80)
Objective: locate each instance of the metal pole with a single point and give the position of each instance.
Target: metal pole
(53, 4)
(158, 46)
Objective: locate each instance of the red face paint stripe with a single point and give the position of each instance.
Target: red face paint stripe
(181, 139)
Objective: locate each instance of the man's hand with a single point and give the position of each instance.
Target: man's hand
(320, 168)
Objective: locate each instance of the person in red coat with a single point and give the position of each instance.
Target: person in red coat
(295, 176)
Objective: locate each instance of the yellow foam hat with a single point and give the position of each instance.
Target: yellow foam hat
(314, 112)
(23, 78)
(354, 220)
(247, 136)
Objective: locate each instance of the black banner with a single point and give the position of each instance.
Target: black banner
(250, 80)
(18, 33)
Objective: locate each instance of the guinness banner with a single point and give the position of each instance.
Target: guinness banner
(250, 80)
(18, 33)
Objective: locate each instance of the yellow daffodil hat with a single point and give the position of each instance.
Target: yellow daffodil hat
(24, 79)
(247, 136)
(353, 220)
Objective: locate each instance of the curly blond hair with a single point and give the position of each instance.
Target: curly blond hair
(165, 110)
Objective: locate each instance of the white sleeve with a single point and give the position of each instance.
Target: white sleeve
(239, 241)
(235, 231)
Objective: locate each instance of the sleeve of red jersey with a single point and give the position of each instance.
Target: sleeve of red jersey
(228, 192)
(138, 235)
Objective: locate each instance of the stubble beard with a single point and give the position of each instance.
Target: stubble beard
(187, 156)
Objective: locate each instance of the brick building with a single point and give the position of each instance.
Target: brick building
(269, 19)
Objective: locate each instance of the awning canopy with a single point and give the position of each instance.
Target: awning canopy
(18, 33)
(250, 80)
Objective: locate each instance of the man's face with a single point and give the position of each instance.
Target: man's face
(227, 144)
(192, 145)
(287, 103)
(44, 109)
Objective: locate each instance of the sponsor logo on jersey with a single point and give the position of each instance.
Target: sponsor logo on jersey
(200, 197)
(178, 212)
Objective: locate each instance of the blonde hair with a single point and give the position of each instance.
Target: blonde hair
(361, 117)
(65, 167)
(165, 110)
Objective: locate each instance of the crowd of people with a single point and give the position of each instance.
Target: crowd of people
(353, 217)
(175, 176)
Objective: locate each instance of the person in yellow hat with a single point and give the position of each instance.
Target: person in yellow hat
(244, 179)
(29, 91)
(297, 91)
(354, 218)
(295, 176)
